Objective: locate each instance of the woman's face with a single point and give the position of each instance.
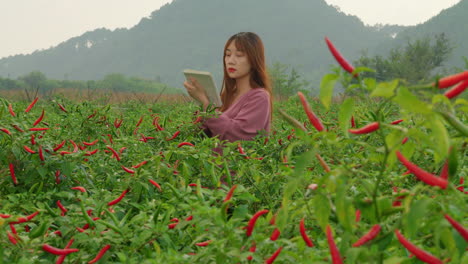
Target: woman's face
(236, 62)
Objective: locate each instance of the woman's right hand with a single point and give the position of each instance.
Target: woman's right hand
(196, 91)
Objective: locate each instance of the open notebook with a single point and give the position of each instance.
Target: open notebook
(206, 80)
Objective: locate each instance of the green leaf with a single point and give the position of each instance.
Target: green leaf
(322, 209)
(386, 89)
(326, 89)
(363, 69)
(344, 116)
(394, 260)
(410, 102)
(441, 136)
(344, 209)
(370, 83)
(415, 218)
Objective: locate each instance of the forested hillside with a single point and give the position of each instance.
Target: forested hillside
(192, 33)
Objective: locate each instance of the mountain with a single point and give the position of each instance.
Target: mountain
(192, 33)
(452, 21)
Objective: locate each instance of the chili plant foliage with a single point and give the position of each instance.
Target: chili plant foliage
(141, 183)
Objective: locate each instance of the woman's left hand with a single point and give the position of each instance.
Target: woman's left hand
(196, 91)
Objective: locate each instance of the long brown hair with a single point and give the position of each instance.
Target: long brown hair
(251, 44)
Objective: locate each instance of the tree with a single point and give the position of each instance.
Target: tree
(285, 84)
(414, 63)
(34, 81)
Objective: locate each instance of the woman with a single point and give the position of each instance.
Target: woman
(247, 94)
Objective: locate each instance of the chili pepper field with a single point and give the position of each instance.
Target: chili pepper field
(374, 176)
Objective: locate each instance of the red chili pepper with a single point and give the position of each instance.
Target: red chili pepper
(198, 120)
(12, 173)
(5, 216)
(41, 154)
(453, 92)
(336, 257)
(79, 188)
(62, 257)
(12, 238)
(31, 105)
(92, 115)
(75, 146)
(58, 251)
(423, 175)
(314, 120)
(119, 198)
(203, 244)
(90, 153)
(31, 216)
(251, 224)
(358, 216)
(118, 123)
(365, 129)
(59, 146)
(128, 170)
(38, 129)
(62, 208)
(173, 136)
(189, 218)
(463, 231)
(140, 164)
(100, 254)
(252, 249)
(29, 150)
(274, 256)
(339, 58)
(18, 128)
(155, 184)
(276, 233)
(185, 144)
(417, 252)
(451, 80)
(39, 119)
(240, 149)
(13, 229)
(116, 155)
(10, 109)
(4, 130)
(139, 121)
(172, 226)
(90, 143)
(404, 140)
(62, 108)
(445, 171)
(303, 232)
(373, 232)
(397, 122)
(230, 193)
(57, 176)
(353, 124)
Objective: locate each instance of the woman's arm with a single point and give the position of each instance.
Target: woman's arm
(253, 116)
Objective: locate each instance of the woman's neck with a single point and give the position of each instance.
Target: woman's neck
(243, 85)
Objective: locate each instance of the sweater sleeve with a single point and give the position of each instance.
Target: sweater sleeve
(253, 116)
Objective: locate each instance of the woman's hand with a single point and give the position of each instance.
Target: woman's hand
(197, 92)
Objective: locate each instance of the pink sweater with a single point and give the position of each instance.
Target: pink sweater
(244, 119)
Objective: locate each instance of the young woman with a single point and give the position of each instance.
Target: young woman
(247, 94)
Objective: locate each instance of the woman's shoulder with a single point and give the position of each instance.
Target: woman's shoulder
(258, 93)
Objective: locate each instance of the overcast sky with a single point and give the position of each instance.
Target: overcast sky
(28, 25)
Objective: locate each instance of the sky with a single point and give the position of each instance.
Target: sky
(29, 25)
